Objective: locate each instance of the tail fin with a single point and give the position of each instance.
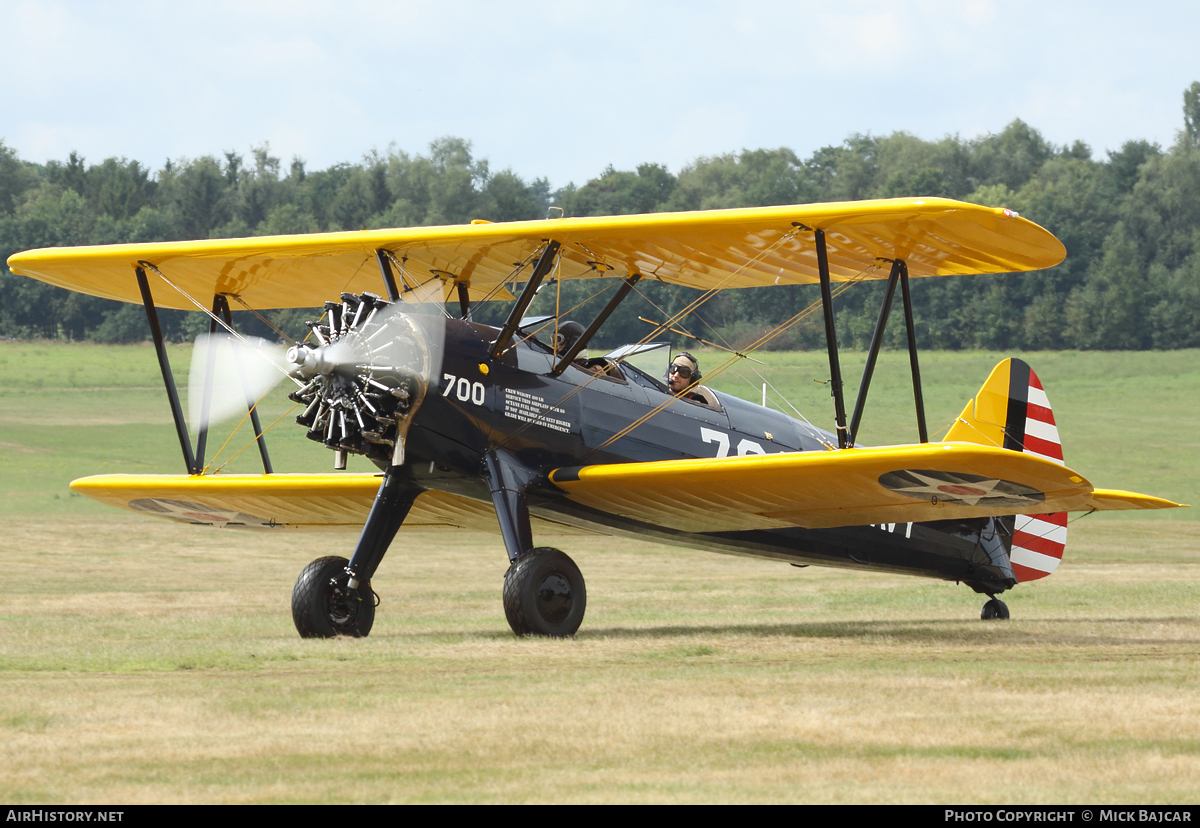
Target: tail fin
(1012, 411)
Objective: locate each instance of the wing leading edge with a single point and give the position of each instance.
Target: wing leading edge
(305, 502)
(850, 487)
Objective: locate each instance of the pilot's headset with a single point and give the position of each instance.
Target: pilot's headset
(568, 334)
(689, 362)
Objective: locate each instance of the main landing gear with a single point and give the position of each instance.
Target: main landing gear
(544, 594)
(994, 609)
(324, 604)
(543, 588)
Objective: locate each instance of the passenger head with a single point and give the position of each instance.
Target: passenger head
(684, 371)
(568, 334)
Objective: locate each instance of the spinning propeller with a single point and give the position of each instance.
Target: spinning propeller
(361, 383)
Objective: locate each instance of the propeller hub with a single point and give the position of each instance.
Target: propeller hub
(305, 363)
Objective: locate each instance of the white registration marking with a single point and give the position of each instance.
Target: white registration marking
(891, 527)
(710, 435)
(463, 388)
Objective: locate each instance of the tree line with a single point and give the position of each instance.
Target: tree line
(1130, 222)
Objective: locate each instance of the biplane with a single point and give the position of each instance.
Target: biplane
(512, 429)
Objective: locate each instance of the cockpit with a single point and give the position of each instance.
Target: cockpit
(639, 364)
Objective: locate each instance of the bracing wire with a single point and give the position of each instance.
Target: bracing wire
(218, 320)
(259, 316)
(758, 343)
(252, 442)
(672, 319)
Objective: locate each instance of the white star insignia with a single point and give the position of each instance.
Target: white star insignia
(968, 493)
(959, 489)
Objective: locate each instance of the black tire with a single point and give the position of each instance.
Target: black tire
(324, 606)
(994, 610)
(544, 594)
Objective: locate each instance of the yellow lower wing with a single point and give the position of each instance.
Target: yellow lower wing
(314, 502)
(851, 487)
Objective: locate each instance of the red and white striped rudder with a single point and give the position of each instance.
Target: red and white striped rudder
(1038, 541)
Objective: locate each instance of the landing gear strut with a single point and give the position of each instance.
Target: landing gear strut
(994, 609)
(324, 605)
(544, 594)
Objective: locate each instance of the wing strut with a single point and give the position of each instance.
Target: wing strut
(464, 300)
(222, 307)
(544, 263)
(873, 354)
(899, 274)
(909, 328)
(582, 342)
(385, 270)
(209, 370)
(185, 442)
(835, 366)
(195, 461)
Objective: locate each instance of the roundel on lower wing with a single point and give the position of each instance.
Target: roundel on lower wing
(959, 489)
(185, 511)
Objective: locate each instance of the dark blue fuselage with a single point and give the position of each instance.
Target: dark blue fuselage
(548, 422)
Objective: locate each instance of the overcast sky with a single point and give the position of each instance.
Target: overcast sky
(562, 89)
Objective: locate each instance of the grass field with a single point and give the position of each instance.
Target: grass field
(142, 661)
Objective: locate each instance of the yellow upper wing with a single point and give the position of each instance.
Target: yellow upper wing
(707, 249)
(851, 487)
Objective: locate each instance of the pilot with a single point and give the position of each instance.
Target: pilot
(684, 375)
(568, 334)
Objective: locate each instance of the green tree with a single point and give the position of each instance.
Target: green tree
(1175, 316)
(1012, 157)
(1163, 211)
(200, 195)
(1191, 112)
(751, 178)
(1109, 311)
(16, 178)
(647, 190)
(287, 219)
(118, 188)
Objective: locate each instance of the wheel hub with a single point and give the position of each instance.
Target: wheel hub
(343, 603)
(554, 598)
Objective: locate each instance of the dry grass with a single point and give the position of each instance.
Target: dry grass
(148, 662)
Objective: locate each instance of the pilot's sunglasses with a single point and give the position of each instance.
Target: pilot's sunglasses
(682, 370)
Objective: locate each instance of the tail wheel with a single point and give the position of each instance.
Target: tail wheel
(544, 594)
(993, 610)
(324, 605)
